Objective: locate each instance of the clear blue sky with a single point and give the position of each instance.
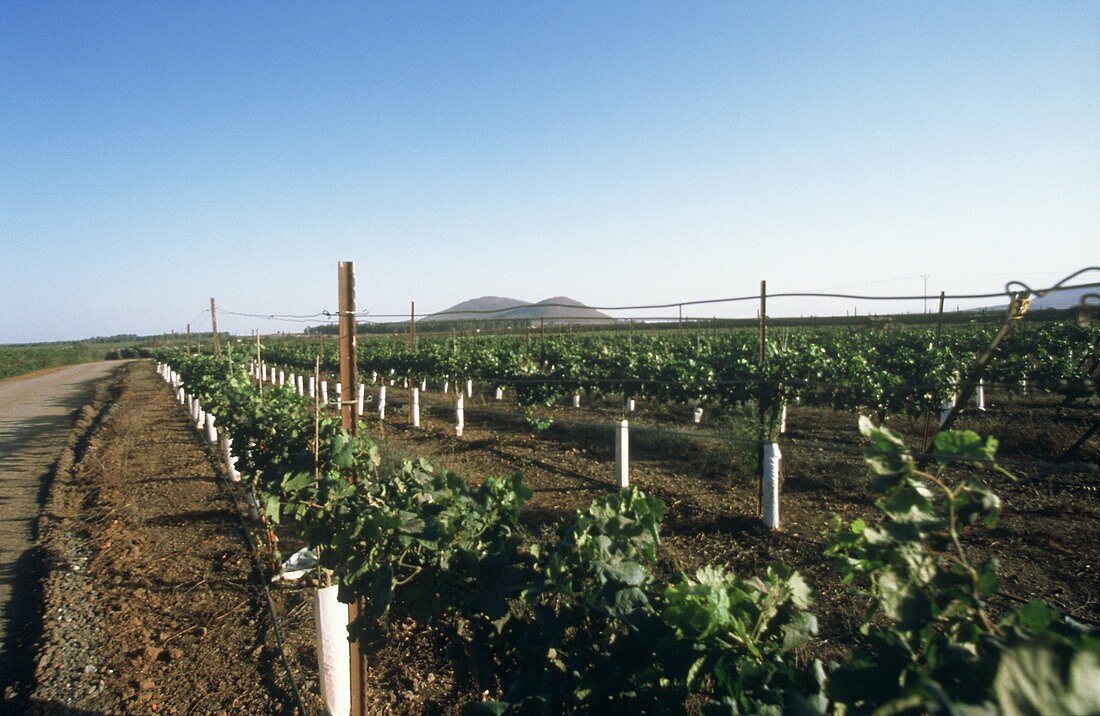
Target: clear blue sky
(155, 154)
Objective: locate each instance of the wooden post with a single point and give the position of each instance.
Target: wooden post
(188, 339)
(412, 328)
(259, 365)
(759, 400)
(214, 325)
(679, 319)
(935, 346)
(763, 318)
(348, 376)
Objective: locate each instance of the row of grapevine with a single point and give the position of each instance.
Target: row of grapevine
(581, 623)
(881, 371)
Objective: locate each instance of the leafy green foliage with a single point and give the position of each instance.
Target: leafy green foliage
(580, 624)
(939, 648)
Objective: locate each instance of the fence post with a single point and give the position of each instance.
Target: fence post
(761, 429)
(214, 326)
(348, 376)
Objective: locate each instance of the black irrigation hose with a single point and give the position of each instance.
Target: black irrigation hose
(227, 491)
(267, 594)
(1010, 289)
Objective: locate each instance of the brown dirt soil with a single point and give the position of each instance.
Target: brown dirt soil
(151, 604)
(1043, 541)
(179, 542)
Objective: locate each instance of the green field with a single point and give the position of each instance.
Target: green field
(17, 359)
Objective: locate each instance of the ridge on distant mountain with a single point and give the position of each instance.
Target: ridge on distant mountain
(1059, 299)
(557, 308)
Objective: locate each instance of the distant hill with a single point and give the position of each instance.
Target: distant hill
(1057, 300)
(556, 309)
(1063, 299)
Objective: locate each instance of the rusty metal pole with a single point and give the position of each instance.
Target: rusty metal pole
(349, 379)
(214, 326)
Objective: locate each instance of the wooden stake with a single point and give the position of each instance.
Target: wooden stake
(259, 365)
(412, 327)
(935, 345)
(214, 326)
(188, 339)
(759, 401)
(349, 377)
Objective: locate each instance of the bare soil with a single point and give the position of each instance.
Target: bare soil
(152, 585)
(151, 603)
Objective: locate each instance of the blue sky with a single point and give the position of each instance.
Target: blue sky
(155, 154)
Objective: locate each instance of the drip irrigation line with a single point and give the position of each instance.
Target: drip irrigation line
(277, 630)
(270, 607)
(1011, 289)
(1007, 293)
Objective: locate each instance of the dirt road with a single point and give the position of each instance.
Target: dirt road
(36, 415)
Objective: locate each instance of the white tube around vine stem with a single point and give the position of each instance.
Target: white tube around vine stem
(769, 499)
(414, 408)
(211, 431)
(622, 454)
(360, 399)
(333, 657)
(460, 413)
(382, 402)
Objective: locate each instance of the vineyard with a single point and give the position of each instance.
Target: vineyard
(484, 516)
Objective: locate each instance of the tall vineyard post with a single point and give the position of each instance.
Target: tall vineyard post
(348, 377)
(214, 326)
(762, 429)
(935, 346)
